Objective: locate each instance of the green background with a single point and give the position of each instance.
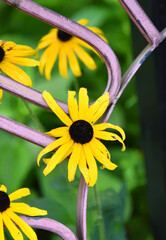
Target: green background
(122, 192)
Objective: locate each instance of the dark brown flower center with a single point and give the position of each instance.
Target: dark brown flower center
(2, 54)
(81, 131)
(63, 36)
(4, 201)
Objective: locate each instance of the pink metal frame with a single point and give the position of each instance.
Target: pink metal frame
(115, 86)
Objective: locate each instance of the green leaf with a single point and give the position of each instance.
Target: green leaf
(113, 208)
(95, 14)
(16, 161)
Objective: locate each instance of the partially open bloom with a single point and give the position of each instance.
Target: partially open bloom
(67, 47)
(79, 139)
(11, 55)
(8, 216)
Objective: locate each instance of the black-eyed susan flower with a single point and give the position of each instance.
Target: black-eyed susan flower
(67, 47)
(11, 55)
(8, 208)
(80, 138)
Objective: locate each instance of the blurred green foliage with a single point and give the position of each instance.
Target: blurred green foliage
(122, 192)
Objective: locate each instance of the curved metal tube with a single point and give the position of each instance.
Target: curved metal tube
(50, 225)
(141, 20)
(26, 93)
(133, 69)
(81, 209)
(25, 132)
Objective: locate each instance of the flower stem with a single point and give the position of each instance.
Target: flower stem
(100, 220)
(34, 117)
(76, 84)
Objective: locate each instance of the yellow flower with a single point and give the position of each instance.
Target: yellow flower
(12, 54)
(8, 216)
(67, 47)
(80, 137)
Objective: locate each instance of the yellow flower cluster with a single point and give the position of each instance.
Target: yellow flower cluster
(80, 138)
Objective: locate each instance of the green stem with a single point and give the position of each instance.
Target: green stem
(34, 117)
(76, 84)
(99, 214)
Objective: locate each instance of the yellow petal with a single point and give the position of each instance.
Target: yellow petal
(83, 166)
(62, 62)
(97, 108)
(82, 43)
(13, 49)
(83, 102)
(101, 157)
(1, 94)
(93, 172)
(85, 57)
(8, 45)
(58, 157)
(58, 132)
(14, 231)
(96, 30)
(110, 137)
(51, 58)
(101, 147)
(103, 126)
(19, 53)
(22, 192)
(46, 160)
(44, 58)
(45, 43)
(23, 50)
(15, 73)
(2, 237)
(3, 188)
(52, 146)
(73, 63)
(68, 152)
(73, 161)
(48, 39)
(83, 21)
(99, 32)
(56, 108)
(23, 226)
(25, 209)
(22, 61)
(72, 105)
(100, 111)
(1, 43)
